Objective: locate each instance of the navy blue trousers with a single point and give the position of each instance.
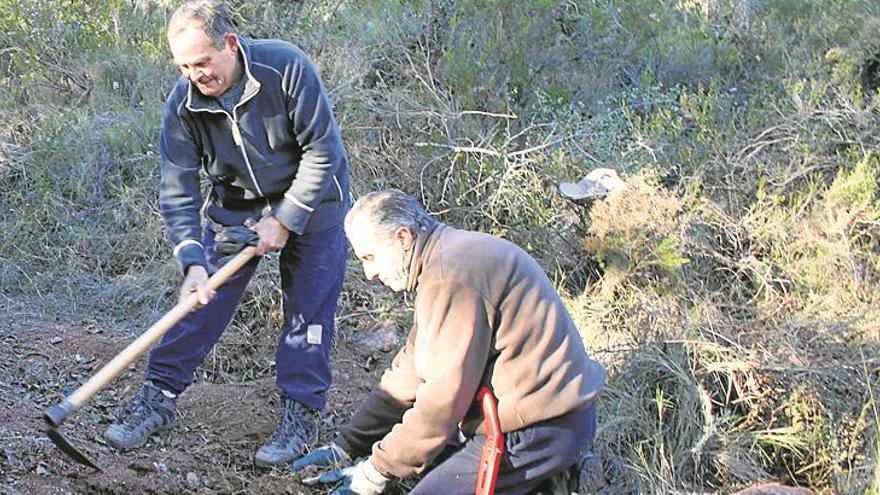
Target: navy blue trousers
(312, 270)
(531, 456)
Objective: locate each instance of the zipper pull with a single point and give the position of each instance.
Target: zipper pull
(236, 133)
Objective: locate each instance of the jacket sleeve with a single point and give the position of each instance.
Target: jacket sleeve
(384, 406)
(179, 195)
(453, 348)
(315, 129)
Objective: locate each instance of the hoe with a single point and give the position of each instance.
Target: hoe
(57, 414)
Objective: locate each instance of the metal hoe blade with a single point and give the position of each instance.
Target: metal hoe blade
(68, 448)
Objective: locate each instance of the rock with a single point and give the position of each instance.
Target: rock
(56, 340)
(162, 468)
(383, 338)
(192, 480)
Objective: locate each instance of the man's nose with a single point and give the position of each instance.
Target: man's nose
(370, 273)
(194, 74)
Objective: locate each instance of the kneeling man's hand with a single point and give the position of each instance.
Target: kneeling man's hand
(360, 479)
(330, 455)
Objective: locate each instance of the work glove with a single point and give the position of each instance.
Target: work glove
(229, 240)
(330, 455)
(360, 479)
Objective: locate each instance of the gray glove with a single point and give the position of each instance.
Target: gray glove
(228, 241)
(360, 479)
(330, 455)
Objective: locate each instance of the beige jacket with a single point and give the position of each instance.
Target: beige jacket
(485, 314)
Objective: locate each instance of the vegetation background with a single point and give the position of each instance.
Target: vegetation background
(731, 289)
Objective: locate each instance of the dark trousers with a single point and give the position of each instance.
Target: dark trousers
(312, 270)
(532, 455)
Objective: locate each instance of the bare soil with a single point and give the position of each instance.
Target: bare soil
(211, 449)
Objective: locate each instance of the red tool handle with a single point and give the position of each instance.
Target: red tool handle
(493, 448)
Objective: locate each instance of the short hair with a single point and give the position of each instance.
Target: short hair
(389, 210)
(214, 15)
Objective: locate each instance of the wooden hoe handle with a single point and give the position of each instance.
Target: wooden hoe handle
(145, 341)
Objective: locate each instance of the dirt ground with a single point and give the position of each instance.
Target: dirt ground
(211, 449)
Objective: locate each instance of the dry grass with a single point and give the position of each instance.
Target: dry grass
(724, 373)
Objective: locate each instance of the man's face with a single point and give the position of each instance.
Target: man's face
(384, 259)
(212, 71)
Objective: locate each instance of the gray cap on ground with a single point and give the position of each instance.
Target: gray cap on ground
(596, 184)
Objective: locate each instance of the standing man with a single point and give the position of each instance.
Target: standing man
(255, 117)
(485, 315)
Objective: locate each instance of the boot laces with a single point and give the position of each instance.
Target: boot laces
(293, 424)
(141, 407)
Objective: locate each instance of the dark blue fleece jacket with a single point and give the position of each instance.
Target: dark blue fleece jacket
(278, 152)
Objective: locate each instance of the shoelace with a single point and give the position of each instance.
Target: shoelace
(138, 409)
(291, 424)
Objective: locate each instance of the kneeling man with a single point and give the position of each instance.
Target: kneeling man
(485, 315)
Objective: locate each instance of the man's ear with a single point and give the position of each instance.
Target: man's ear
(232, 42)
(405, 236)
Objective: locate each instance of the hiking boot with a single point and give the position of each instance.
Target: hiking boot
(298, 428)
(149, 411)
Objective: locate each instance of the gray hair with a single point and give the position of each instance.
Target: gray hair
(214, 15)
(389, 210)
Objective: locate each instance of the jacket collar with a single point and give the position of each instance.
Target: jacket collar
(197, 102)
(426, 241)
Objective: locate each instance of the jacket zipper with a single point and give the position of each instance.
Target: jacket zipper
(236, 136)
(338, 188)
